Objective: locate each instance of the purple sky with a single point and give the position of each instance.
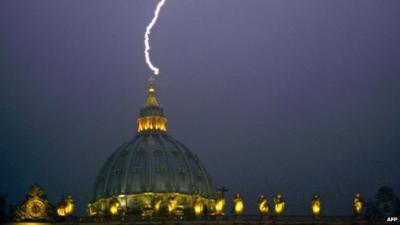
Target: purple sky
(275, 96)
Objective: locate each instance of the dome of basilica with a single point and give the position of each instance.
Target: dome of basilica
(153, 165)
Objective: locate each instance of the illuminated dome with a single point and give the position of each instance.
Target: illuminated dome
(152, 165)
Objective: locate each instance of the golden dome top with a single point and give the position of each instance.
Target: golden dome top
(151, 116)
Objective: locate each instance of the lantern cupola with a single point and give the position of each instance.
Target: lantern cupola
(151, 117)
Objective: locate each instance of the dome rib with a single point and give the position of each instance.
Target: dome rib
(183, 150)
(170, 183)
(203, 171)
(166, 174)
(149, 165)
(125, 187)
(109, 168)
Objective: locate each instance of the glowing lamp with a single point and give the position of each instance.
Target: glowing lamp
(279, 205)
(156, 204)
(315, 206)
(263, 206)
(198, 207)
(115, 206)
(114, 210)
(172, 202)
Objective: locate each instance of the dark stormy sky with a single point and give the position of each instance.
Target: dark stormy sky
(291, 97)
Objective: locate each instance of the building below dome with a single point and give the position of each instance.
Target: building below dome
(152, 172)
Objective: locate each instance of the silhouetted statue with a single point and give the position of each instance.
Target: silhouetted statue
(66, 207)
(384, 205)
(263, 206)
(358, 204)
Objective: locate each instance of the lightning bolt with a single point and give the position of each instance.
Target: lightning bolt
(147, 37)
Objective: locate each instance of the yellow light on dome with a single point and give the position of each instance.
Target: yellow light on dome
(152, 123)
(114, 209)
(198, 206)
(115, 206)
(172, 202)
(157, 204)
